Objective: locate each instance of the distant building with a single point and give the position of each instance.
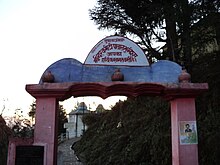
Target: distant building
(75, 127)
(100, 109)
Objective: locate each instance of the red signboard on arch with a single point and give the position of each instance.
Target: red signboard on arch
(116, 50)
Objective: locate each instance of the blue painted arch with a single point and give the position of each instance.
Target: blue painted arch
(71, 70)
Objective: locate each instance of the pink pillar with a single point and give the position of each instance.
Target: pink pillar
(184, 152)
(45, 132)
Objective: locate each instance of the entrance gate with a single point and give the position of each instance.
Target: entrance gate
(117, 66)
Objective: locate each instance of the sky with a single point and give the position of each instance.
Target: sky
(36, 33)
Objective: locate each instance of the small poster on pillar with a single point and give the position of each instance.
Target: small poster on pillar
(188, 132)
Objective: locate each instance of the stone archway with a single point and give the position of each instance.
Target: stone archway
(181, 96)
(123, 70)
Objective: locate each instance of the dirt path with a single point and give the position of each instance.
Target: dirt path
(66, 155)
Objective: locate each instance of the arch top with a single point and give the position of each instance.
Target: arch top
(116, 50)
(111, 54)
(115, 66)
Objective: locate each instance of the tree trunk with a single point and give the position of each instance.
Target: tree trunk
(186, 37)
(172, 43)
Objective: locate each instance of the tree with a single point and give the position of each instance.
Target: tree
(191, 28)
(135, 131)
(32, 111)
(147, 20)
(5, 132)
(206, 69)
(61, 119)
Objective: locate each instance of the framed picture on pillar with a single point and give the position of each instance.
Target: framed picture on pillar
(188, 132)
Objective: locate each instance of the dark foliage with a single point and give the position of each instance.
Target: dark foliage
(22, 129)
(136, 131)
(207, 69)
(61, 120)
(5, 132)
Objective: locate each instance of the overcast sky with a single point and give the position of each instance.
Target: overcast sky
(36, 33)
